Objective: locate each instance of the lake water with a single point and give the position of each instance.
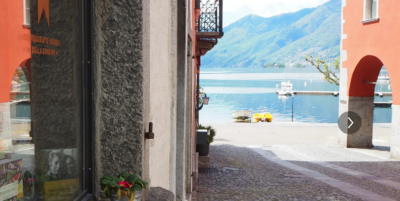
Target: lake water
(255, 88)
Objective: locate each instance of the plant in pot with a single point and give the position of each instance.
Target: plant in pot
(123, 187)
(204, 149)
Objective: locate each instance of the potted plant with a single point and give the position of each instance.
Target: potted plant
(123, 187)
(205, 149)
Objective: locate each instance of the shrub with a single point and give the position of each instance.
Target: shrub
(211, 130)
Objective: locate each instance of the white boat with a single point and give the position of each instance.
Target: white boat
(242, 116)
(383, 77)
(241, 113)
(286, 89)
(284, 93)
(286, 86)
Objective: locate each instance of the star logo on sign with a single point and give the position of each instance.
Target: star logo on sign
(44, 5)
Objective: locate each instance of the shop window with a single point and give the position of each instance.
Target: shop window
(43, 139)
(371, 11)
(27, 12)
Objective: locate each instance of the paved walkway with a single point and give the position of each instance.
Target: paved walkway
(296, 171)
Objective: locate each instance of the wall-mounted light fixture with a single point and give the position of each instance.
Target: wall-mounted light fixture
(203, 100)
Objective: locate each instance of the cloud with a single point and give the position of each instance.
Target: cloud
(236, 9)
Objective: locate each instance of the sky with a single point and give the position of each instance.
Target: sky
(236, 9)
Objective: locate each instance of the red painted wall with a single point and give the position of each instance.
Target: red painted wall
(370, 45)
(14, 43)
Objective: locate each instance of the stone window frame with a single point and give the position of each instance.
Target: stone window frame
(368, 11)
(27, 13)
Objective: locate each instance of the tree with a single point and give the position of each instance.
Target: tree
(281, 65)
(299, 65)
(273, 65)
(322, 67)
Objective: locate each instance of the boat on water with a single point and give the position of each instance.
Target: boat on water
(242, 116)
(286, 85)
(257, 117)
(284, 93)
(383, 77)
(286, 89)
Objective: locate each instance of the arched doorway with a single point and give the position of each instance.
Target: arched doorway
(20, 106)
(361, 95)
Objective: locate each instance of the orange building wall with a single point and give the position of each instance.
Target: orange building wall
(14, 43)
(380, 40)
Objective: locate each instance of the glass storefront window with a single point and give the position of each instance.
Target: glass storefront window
(41, 106)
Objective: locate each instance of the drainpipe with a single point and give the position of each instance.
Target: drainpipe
(198, 90)
(197, 95)
(220, 15)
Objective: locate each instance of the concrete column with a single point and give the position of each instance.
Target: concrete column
(395, 138)
(5, 126)
(118, 88)
(343, 98)
(181, 101)
(173, 77)
(364, 107)
(189, 119)
(343, 105)
(146, 92)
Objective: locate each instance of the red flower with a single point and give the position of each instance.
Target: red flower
(125, 184)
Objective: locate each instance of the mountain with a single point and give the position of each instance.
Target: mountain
(254, 41)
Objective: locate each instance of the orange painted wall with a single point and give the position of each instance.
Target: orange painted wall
(14, 43)
(380, 40)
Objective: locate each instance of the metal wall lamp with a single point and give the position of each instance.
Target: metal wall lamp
(204, 102)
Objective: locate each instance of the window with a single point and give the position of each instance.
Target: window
(27, 13)
(44, 133)
(371, 8)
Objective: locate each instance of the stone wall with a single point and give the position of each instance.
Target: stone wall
(189, 115)
(118, 83)
(181, 118)
(364, 107)
(146, 88)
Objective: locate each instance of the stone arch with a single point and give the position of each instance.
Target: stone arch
(365, 73)
(26, 67)
(5, 84)
(361, 94)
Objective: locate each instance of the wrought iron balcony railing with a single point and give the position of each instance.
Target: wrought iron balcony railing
(209, 24)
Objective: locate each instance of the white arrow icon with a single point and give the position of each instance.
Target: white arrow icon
(350, 121)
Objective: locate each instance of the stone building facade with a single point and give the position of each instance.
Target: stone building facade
(369, 42)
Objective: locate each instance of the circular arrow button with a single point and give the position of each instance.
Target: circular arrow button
(349, 122)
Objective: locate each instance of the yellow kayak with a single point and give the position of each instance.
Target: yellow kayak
(257, 117)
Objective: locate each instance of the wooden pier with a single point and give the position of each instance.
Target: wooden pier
(334, 93)
(383, 93)
(383, 104)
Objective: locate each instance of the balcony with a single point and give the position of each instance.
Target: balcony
(209, 24)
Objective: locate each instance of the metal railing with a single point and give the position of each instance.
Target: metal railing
(210, 19)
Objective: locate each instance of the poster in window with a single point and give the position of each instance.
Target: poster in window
(61, 176)
(11, 184)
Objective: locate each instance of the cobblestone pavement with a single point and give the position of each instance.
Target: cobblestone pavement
(241, 173)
